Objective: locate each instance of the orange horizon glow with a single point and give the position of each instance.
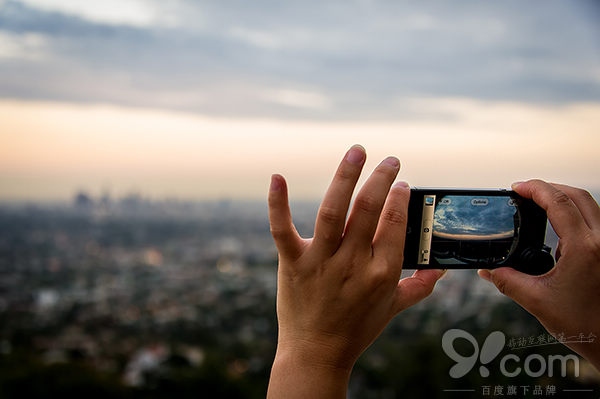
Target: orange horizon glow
(50, 150)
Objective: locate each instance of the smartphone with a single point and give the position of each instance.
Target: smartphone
(475, 229)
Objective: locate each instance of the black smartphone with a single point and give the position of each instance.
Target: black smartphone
(475, 229)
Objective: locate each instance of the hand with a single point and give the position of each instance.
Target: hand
(338, 290)
(567, 298)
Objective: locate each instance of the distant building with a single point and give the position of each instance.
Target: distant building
(83, 201)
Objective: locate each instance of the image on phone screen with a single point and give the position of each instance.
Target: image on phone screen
(464, 230)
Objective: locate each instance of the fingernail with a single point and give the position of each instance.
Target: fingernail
(356, 155)
(516, 184)
(276, 183)
(401, 184)
(391, 161)
(485, 274)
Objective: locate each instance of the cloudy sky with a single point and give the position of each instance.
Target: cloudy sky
(199, 99)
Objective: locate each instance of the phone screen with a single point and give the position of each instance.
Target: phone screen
(467, 229)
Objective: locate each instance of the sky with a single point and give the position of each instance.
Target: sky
(205, 100)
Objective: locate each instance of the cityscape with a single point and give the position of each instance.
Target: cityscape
(131, 297)
(137, 138)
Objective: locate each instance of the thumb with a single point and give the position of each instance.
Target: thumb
(413, 289)
(285, 235)
(520, 287)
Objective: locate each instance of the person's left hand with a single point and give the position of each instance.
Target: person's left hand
(338, 290)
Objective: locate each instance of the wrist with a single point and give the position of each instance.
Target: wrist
(298, 374)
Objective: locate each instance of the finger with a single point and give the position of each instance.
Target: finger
(417, 287)
(288, 241)
(331, 217)
(585, 202)
(366, 210)
(521, 287)
(563, 214)
(391, 230)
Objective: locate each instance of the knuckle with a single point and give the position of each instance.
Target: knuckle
(330, 215)
(585, 195)
(379, 277)
(279, 234)
(502, 286)
(424, 288)
(394, 217)
(560, 198)
(367, 204)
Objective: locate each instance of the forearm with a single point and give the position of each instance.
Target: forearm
(293, 377)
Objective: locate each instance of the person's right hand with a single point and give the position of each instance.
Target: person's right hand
(566, 300)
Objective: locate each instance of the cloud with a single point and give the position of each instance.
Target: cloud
(298, 99)
(113, 12)
(29, 46)
(309, 60)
